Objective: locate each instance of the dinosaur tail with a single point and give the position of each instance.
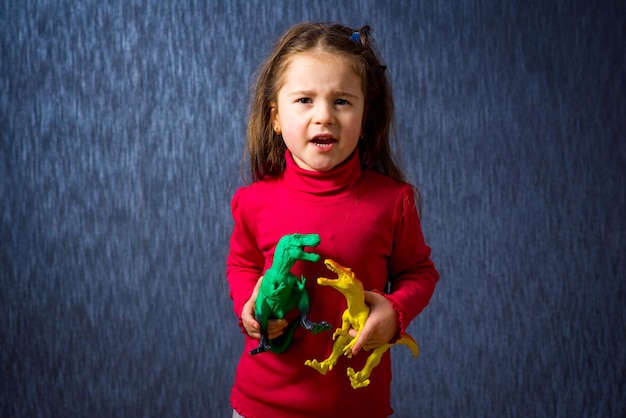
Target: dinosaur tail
(407, 340)
(281, 343)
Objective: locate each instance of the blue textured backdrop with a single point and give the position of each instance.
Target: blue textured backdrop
(122, 127)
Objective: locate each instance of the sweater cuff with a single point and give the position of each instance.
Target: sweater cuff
(241, 327)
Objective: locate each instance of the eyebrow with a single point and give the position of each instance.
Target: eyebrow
(311, 93)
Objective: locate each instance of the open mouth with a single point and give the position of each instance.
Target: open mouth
(323, 141)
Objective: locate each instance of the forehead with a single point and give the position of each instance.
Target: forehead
(315, 67)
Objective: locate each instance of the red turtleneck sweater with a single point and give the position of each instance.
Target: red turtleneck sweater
(367, 222)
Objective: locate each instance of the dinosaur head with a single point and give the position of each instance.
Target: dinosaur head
(299, 240)
(305, 240)
(291, 248)
(346, 281)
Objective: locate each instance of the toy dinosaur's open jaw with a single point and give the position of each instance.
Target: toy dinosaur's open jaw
(335, 268)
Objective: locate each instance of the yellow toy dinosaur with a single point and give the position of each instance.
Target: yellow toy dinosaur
(353, 317)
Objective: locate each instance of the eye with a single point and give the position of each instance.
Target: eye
(304, 100)
(342, 102)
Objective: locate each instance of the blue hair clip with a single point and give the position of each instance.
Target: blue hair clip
(356, 37)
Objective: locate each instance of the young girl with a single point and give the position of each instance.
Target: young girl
(319, 150)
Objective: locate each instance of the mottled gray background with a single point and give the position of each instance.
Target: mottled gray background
(122, 125)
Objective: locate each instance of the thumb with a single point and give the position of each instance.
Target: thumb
(362, 338)
(249, 308)
(251, 303)
(257, 287)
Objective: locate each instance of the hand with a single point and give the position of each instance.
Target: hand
(253, 328)
(381, 325)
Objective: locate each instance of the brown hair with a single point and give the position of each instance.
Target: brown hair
(266, 150)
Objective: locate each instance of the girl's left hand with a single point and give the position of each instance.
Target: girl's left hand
(381, 326)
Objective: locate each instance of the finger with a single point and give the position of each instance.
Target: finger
(352, 332)
(249, 310)
(275, 327)
(248, 320)
(251, 328)
(252, 333)
(361, 341)
(251, 323)
(370, 296)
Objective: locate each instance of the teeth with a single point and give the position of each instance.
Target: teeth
(324, 141)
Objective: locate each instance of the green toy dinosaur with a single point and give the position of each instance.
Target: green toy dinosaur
(281, 291)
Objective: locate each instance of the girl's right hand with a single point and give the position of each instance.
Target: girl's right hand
(275, 327)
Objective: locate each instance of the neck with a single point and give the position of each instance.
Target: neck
(328, 182)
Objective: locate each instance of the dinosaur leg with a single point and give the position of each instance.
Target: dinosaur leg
(314, 327)
(264, 341)
(324, 366)
(361, 379)
(347, 349)
(263, 346)
(303, 307)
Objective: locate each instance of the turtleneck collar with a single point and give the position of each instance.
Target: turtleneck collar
(323, 182)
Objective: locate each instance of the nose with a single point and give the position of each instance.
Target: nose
(324, 114)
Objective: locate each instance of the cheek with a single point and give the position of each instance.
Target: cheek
(356, 127)
(290, 134)
(291, 126)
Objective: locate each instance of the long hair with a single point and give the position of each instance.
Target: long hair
(266, 149)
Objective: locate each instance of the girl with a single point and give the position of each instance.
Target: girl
(319, 150)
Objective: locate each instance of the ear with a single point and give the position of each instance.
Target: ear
(274, 118)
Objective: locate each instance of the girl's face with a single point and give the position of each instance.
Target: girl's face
(319, 110)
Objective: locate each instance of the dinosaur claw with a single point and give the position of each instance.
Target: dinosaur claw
(262, 348)
(357, 380)
(320, 327)
(315, 327)
(322, 367)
